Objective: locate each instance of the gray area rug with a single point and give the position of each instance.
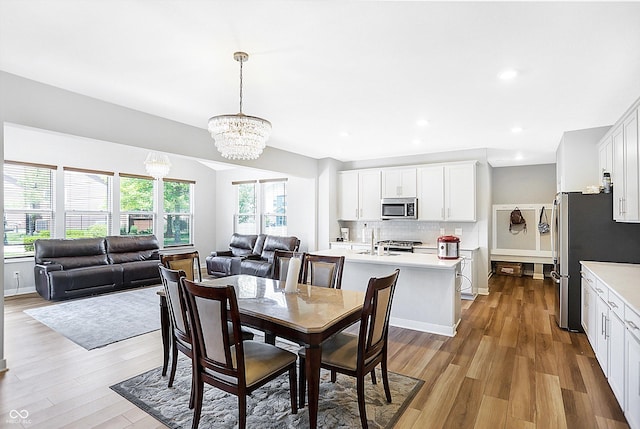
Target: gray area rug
(268, 406)
(98, 321)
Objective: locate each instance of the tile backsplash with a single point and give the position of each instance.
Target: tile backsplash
(427, 232)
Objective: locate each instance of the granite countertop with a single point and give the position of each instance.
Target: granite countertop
(407, 259)
(621, 278)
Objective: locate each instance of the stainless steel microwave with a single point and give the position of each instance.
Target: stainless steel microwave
(399, 208)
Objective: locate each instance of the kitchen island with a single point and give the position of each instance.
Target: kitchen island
(427, 296)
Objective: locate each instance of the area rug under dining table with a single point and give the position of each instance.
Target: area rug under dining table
(268, 406)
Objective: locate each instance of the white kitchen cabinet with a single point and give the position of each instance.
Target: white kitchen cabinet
(447, 192)
(625, 175)
(588, 315)
(369, 194)
(602, 337)
(359, 195)
(399, 182)
(616, 340)
(616, 353)
(348, 208)
(632, 369)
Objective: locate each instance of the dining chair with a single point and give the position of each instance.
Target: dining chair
(236, 367)
(188, 262)
(321, 270)
(281, 264)
(180, 332)
(358, 355)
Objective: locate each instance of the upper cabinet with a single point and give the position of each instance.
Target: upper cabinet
(447, 192)
(624, 176)
(359, 195)
(398, 182)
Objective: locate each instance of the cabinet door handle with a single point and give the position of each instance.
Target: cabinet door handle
(602, 324)
(631, 324)
(599, 290)
(613, 304)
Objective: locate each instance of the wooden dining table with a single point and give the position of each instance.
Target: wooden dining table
(308, 317)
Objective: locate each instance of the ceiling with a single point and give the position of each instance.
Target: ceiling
(345, 79)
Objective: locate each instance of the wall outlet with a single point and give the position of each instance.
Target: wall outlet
(441, 231)
(458, 232)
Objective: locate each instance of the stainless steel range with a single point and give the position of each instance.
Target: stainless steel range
(398, 245)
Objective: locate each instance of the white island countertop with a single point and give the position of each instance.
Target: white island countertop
(406, 259)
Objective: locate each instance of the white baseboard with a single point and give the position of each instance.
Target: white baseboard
(19, 291)
(449, 331)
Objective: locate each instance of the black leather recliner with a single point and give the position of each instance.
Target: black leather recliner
(219, 264)
(249, 254)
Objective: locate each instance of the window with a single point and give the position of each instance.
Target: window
(136, 205)
(274, 206)
(178, 213)
(28, 206)
(87, 203)
(267, 202)
(246, 208)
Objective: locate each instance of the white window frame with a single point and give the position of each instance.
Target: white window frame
(261, 214)
(188, 214)
(106, 213)
(27, 248)
(128, 213)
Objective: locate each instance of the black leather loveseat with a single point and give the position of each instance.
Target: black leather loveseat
(249, 254)
(69, 268)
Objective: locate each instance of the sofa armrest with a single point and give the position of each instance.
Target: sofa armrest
(47, 267)
(254, 257)
(222, 253)
(41, 274)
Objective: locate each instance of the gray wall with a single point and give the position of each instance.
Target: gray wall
(530, 184)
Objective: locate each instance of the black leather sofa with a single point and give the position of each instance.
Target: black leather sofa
(70, 268)
(249, 254)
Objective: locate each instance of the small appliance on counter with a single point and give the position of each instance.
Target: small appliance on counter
(448, 247)
(344, 234)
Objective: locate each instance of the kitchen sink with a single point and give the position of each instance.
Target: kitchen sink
(366, 252)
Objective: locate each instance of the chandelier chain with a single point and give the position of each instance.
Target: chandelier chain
(241, 61)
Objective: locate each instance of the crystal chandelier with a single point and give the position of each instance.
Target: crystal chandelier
(157, 165)
(240, 136)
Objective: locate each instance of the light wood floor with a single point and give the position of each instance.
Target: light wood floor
(508, 367)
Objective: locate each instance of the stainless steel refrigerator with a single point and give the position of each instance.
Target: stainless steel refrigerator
(583, 229)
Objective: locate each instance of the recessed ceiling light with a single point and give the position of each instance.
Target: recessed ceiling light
(508, 74)
(422, 123)
(516, 130)
(519, 156)
(416, 142)
(344, 134)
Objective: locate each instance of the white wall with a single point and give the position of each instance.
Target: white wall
(577, 159)
(301, 205)
(528, 184)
